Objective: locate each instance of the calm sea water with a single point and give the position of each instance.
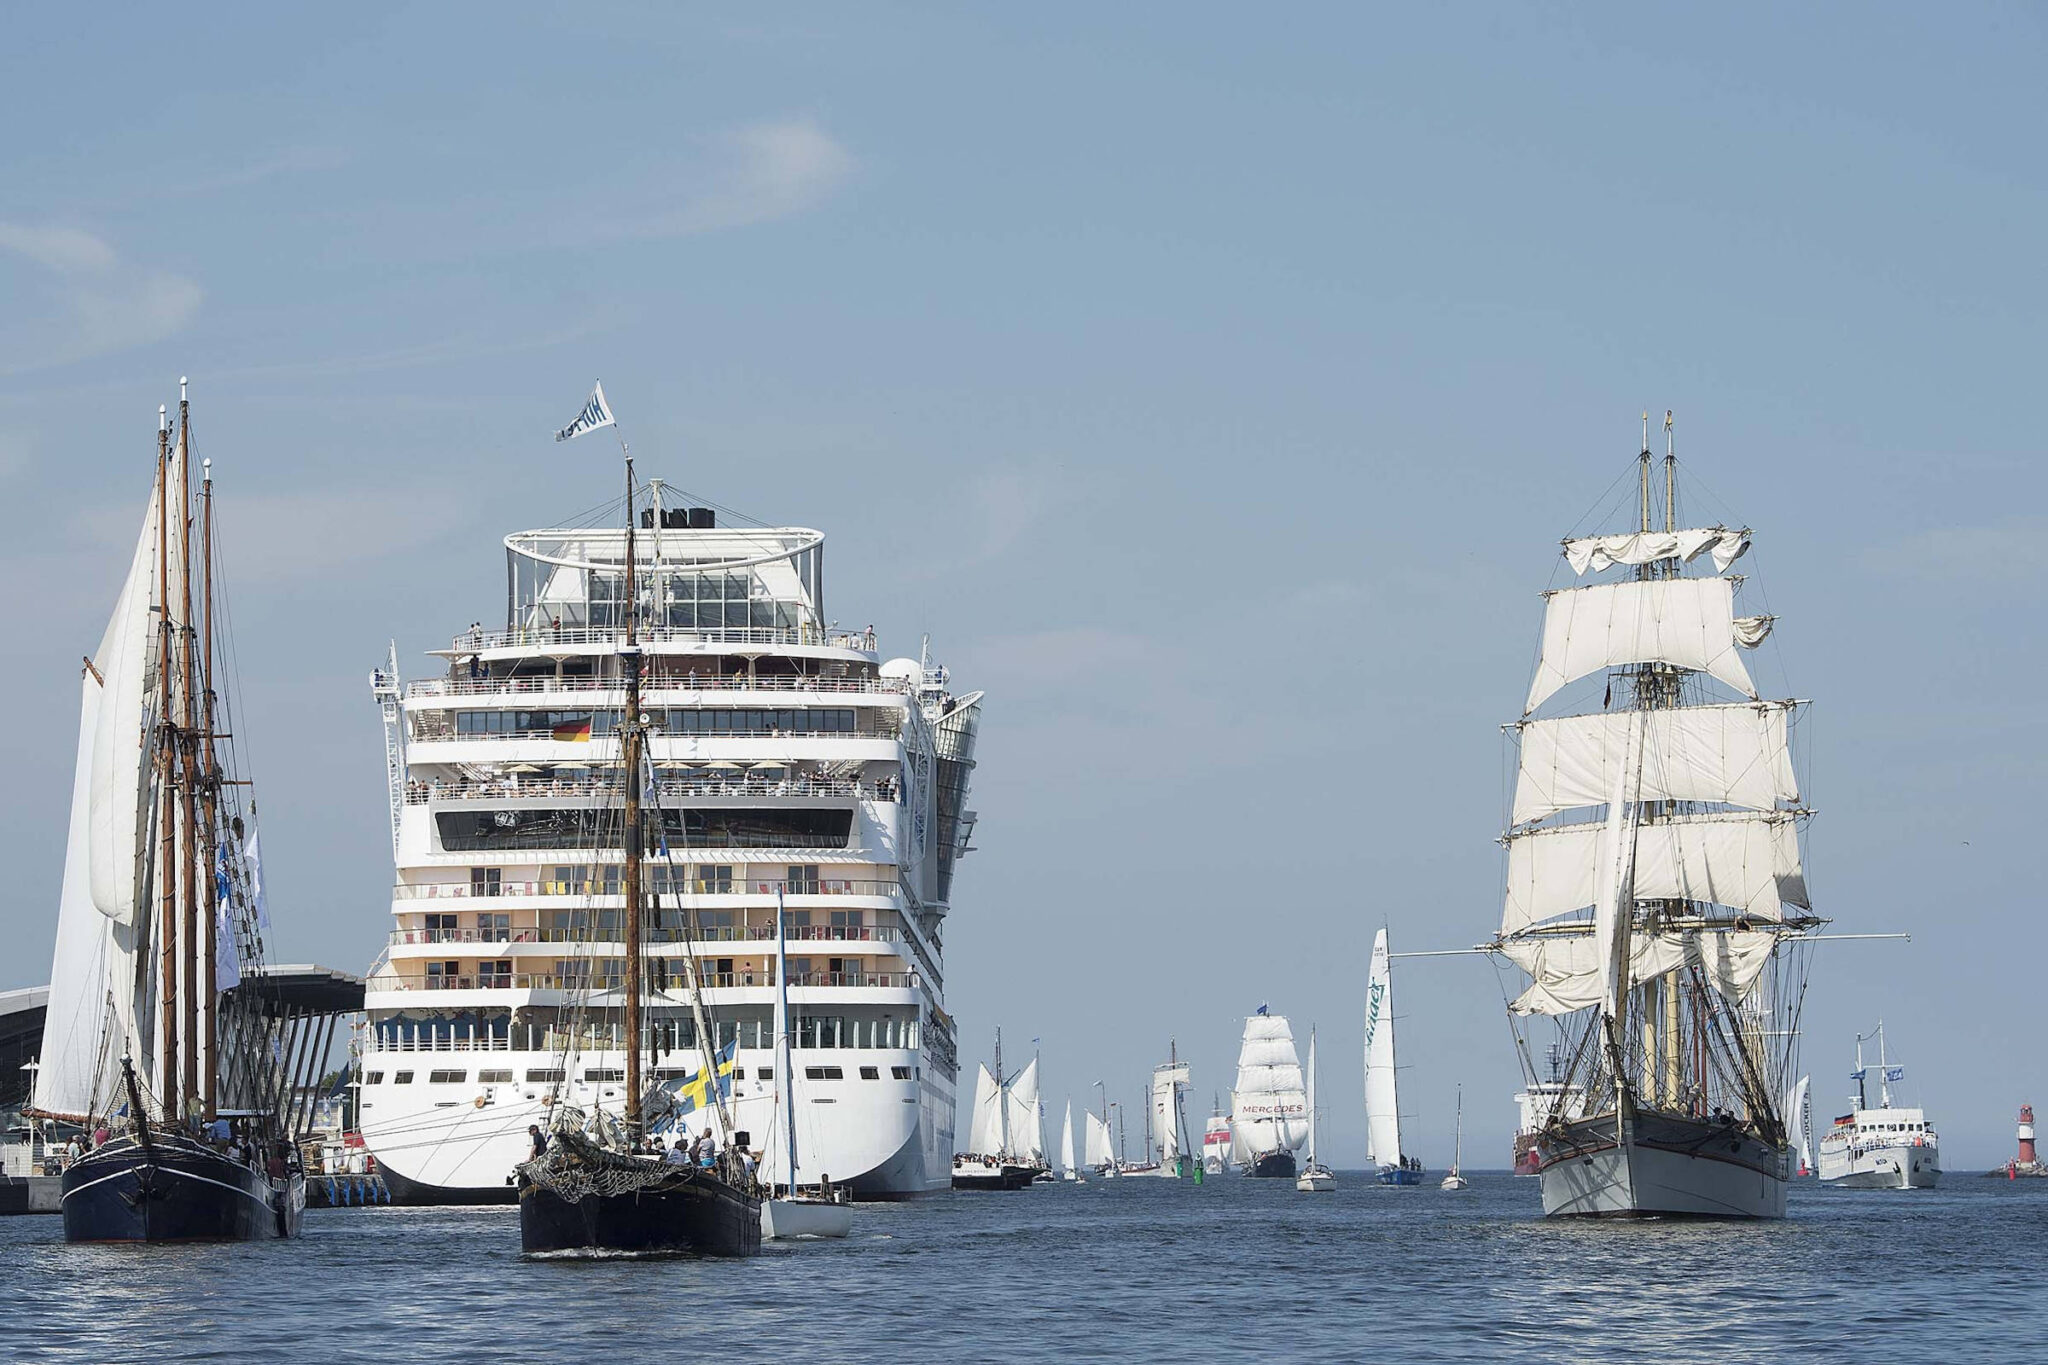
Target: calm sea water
(1237, 1270)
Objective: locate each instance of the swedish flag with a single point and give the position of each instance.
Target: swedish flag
(691, 1093)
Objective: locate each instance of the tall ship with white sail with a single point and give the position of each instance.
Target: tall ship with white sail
(1269, 1103)
(787, 759)
(154, 1048)
(1882, 1146)
(1006, 1131)
(1655, 895)
(1382, 1092)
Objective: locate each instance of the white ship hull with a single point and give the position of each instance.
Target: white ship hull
(457, 1144)
(1899, 1167)
(1659, 1165)
(1216, 1157)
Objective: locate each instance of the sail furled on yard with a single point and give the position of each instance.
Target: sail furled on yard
(1568, 971)
(1735, 755)
(1269, 1104)
(1382, 1104)
(1687, 623)
(1748, 862)
(1592, 554)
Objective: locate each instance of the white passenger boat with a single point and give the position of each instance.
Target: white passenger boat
(1654, 888)
(787, 759)
(1881, 1147)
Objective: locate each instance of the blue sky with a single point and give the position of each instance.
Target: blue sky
(1213, 386)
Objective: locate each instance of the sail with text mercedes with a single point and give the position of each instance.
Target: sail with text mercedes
(784, 757)
(1655, 896)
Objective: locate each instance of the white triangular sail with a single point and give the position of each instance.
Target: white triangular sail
(1735, 755)
(1311, 1096)
(1748, 862)
(1795, 1123)
(1067, 1140)
(985, 1133)
(1027, 1140)
(1684, 622)
(1096, 1145)
(1593, 554)
(1166, 1083)
(1382, 1104)
(1269, 1106)
(99, 983)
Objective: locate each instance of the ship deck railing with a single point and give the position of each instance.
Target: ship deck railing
(721, 892)
(541, 637)
(578, 981)
(654, 679)
(419, 793)
(429, 727)
(714, 934)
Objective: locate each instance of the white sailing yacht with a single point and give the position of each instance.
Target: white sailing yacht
(1268, 1106)
(1067, 1167)
(1166, 1152)
(1315, 1178)
(1382, 1103)
(1884, 1148)
(825, 1213)
(1454, 1179)
(1799, 1119)
(1096, 1149)
(1006, 1144)
(1653, 875)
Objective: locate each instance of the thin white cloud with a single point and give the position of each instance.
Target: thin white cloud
(75, 298)
(754, 174)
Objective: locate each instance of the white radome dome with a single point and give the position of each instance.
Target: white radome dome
(905, 670)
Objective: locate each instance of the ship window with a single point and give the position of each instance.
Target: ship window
(447, 1077)
(600, 1074)
(486, 881)
(402, 1078)
(714, 881)
(824, 1073)
(871, 1073)
(901, 1073)
(374, 1078)
(499, 1077)
(546, 1075)
(764, 1073)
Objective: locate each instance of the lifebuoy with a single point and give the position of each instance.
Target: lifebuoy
(481, 1101)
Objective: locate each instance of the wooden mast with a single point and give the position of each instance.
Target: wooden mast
(188, 761)
(209, 814)
(166, 757)
(629, 755)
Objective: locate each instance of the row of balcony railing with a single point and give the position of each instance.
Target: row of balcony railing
(436, 733)
(517, 786)
(578, 981)
(788, 887)
(653, 680)
(721, 933)
(543, 636)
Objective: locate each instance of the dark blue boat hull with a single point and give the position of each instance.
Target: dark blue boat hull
(173, 1191)
(701, 1217)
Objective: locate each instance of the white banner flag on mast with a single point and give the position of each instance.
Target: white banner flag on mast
(596, 413)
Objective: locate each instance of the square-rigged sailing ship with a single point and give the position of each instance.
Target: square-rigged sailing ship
(1655, 894)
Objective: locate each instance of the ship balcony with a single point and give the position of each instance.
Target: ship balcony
(746, 894)
(654, 682)
(551, 638)
(693, 785)
(395, 990)
(706, 939)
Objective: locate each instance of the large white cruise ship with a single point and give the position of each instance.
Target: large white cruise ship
(787, 760)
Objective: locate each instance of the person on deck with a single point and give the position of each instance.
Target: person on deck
(537, 1142)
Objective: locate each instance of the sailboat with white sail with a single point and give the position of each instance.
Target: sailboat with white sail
(1096, 1149)
(153, 1046)
(1454, 1179)
(1655, 895)
(1268, 1106)
(1006, 1143)
(1315, 1178)
(1382, 1100)
(823, 1212)
(1799, 1116)
(1067, 1167)
(1167, 1148)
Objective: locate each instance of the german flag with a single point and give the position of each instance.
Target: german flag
(573, 731)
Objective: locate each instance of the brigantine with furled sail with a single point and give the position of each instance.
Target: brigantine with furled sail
(601, 1183)
(149, 1046)
(1654, 889)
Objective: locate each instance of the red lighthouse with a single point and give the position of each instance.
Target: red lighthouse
(2027, 1160)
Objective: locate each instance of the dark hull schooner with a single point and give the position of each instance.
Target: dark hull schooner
(595, 1200)
(174, 1190)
